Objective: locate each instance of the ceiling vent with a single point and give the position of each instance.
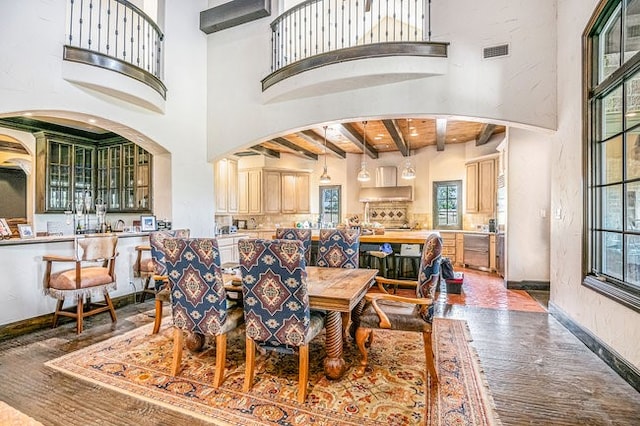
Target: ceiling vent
(495, 51)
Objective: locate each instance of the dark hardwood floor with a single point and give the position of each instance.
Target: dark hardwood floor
(537, 371)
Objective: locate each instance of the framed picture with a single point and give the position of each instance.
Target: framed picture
(148, 223)
(5, 231)
(25, 231)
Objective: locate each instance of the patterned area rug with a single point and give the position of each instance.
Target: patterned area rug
(394, 390)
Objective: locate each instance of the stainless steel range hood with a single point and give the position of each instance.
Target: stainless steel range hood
(386, 189)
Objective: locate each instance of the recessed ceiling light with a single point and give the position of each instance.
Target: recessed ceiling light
(377, 138)
(28, 114)
(91, 120)
(414, 134)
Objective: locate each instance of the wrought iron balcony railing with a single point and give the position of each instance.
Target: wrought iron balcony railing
(116, 35)
(320, 32)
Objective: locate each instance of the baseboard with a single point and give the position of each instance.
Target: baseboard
(529, 285)
(41, 322)
(624, 369)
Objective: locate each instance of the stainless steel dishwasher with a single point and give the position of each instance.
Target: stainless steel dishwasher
(476, 251)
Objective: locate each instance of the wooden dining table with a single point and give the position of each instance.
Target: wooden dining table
(340, 292)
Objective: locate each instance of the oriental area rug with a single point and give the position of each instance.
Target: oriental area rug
(393, 391)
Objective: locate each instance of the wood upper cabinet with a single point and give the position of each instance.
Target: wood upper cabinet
(250, 191)
(295, 192)
(68, 169)
(226, 185)
(271, 191)
(481, 186)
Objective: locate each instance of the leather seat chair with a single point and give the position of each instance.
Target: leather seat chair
(392, 312)
(93, 271)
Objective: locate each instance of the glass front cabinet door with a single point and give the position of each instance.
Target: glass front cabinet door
(67, 169)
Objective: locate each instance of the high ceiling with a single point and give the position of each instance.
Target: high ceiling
(400, 135)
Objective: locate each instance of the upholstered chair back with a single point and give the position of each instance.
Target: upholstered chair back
(303, 235)
(339, 248)
(274, 288)
(198, 298)
(156, 240)
(429, 273)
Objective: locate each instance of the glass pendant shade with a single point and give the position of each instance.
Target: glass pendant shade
(363, 174)
(408, 172)
(325, 178)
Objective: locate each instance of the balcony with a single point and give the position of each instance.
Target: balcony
(318, 33)
(115, 35)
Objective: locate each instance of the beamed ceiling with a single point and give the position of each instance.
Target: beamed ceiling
(401, 135)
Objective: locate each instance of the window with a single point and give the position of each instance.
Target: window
(330, 213)
(613, 150)
(446, 204)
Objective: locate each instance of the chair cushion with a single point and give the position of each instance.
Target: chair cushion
(402, 316)
(147, 266)
(90, 277)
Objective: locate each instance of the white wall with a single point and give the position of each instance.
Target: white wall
(614, 324)
(519, 88)
(32, 70)
(528, 192)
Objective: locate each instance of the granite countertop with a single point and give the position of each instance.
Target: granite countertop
(62, 238)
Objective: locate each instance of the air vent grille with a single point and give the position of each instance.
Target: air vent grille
(495, 51)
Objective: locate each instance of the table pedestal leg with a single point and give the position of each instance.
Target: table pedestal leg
(334, 364)
(355, 317)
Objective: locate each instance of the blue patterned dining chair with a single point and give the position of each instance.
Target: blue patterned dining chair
(153, 269)
(93, 271)
(392, 312)
(339, 248)
(299, 234)
(198, 297)
(276, 304)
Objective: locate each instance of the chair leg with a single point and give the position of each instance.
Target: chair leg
(157, 322)
(177, 350)
(428, 352)
(58, 309)
(112, 310)
(363, 335)
(79, 314)
(250, 364)
(303, 373)
(221, 357)
(143, 293)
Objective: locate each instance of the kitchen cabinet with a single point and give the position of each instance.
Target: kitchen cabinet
(448, 245)
(250, 191)
(492, 252)
(271, 191)
(226, 185)
(500, 254)
(480, 194)
(67, 169)
(228, 249)
(295, 192)
(459, 259)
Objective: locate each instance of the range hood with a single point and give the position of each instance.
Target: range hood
(386, 189)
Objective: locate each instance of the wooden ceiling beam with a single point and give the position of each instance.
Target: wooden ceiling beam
(267, 152)
(485, 134)
(396, 135)
(441, 133)
(350, 132)
(297, 150)
(312, 137)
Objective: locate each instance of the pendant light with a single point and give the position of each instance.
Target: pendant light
(325, 178)
(363, 174)
(408, 172)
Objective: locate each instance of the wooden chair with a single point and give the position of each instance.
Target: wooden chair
(303, 235)
(198, 298)
(93, 271)
(339, 248)
(153, 268)
(392, 312)
(276, 304)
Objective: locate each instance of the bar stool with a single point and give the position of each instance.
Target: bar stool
(382, 261)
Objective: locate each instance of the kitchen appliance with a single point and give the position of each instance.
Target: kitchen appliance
(492, 225)
(240, 224)
(386, 189)
(229, 229)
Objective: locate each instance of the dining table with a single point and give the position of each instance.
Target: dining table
(338, 291)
